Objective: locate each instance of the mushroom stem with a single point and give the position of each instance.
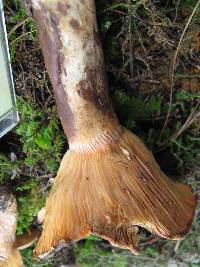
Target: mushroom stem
(74, 59)
(9, 244)
(14, 260)
(8, 222)
(108, 183)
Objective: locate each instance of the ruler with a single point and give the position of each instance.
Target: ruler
(8, 111)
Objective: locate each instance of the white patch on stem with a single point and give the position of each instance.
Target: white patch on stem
(8, 224)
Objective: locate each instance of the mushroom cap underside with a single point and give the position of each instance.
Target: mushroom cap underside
(109, 193)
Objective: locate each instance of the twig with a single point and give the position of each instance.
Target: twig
(194, 115)
(20, 37)
(174, 64)
(17, 26)
(130, 43)
(120, 12)
(177, 246)
(5, 5)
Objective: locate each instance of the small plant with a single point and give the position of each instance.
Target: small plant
(92, 253)
(187, 95)
(30, 200)
(189, 6)
(41, 137)
(42, 147)
(8, 168)
(19, 27)
(28, 259)
(133, 108)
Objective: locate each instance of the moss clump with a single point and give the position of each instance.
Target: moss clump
(30, 200)
(40, 135)
(42, 144)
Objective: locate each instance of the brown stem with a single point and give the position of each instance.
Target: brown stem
(74, 59)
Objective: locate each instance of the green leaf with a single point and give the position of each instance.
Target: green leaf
(44, 139)
(52, 165)
(31, 128)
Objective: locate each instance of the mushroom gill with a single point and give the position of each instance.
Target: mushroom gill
(108, 191)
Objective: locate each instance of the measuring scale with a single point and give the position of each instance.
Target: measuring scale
(8, 112)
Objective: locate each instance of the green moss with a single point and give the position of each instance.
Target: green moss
(190, 4)
(41, 137)
(42, 145)
(27, 32)
(42, 142)
(30, 201)
(28, 259)
(8, 168)
(187, 96)
(137, 107)
(92, 254)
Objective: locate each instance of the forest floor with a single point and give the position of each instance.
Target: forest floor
(140, 40)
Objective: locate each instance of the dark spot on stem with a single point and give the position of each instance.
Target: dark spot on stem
(75, 24)
(63, 8)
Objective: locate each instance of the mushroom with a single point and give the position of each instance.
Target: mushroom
(27, 239)
(8, 222)
(108, 182)
(14, 260)
(9, 244)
